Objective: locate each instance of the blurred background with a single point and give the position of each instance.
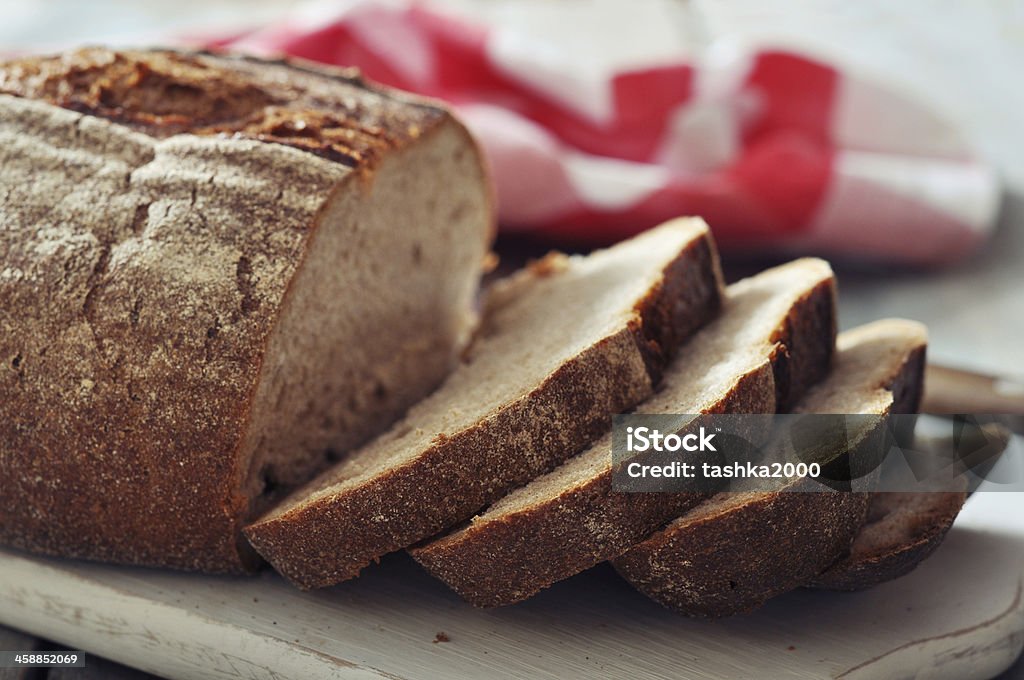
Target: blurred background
(957, 64)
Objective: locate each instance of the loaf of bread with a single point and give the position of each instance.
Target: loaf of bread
(773, 339)
(564, 345)
(215, 274)
(733, 552)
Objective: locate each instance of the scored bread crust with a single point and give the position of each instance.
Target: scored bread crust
(330, 112)
(320, 537)
(901, 531)
(507, 558)
(158, 207)
(733, 553)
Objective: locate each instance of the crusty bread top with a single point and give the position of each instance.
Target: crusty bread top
(536, 321)
(162, 93)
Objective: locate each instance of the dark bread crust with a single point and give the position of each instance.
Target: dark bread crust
(936, 512)
(732, 561)
(779, 552)
(515, 556)
(330, 539)
(688, 294)
(804, 346)
(125, 391)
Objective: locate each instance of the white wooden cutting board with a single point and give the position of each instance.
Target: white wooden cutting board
(960, 615)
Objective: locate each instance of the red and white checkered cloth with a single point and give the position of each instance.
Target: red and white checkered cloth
(777, 151)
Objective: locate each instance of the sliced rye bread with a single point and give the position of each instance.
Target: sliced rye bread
(734, 552)
(780, 323)
(901, 530)
(563, 346)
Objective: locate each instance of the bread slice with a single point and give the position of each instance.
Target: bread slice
(737, 550)
(779, 323)
(904, 527)
(901, 530)
(214, 271)
(563, 346)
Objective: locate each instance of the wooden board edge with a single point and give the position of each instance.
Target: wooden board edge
(983, 650)
(103, 620)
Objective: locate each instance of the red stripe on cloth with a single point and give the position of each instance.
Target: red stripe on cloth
(461, 70)
(644, 103)
(792, 93)
(337, 44)
(752, 199)
(642, 100)
(721, 206)
(787, 160)
(786, 175)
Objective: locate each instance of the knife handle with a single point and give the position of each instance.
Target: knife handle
(952, 390)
